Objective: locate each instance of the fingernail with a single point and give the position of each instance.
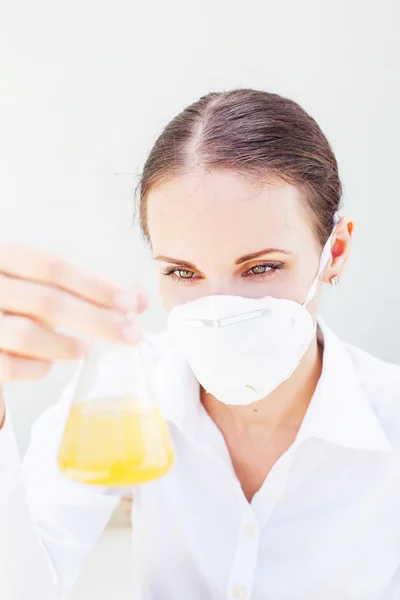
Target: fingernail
(131, 331)
(126, 300)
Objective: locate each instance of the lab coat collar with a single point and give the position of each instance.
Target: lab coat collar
(177, 389)
(339, 411)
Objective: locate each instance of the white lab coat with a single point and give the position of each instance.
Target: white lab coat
(325, 523)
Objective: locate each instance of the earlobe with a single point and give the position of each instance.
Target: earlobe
(334, 280)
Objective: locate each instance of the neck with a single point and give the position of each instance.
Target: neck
(284, 407)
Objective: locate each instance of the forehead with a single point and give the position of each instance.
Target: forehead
(226, 211)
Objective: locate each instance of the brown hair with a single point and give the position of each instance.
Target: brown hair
(254, 133)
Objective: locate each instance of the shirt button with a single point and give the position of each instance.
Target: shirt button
(250, 529)
(238, 591)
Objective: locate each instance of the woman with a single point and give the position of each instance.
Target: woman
(287, 479)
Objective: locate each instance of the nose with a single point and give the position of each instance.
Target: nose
(221, 287)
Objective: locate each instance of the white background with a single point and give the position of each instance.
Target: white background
(86, 86)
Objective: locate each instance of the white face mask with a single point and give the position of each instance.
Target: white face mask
(241, 349)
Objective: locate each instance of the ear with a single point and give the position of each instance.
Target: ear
(340, 249)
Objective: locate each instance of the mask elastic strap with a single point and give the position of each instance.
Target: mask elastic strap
(326, 252)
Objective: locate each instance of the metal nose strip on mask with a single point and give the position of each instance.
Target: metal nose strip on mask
(255, 314)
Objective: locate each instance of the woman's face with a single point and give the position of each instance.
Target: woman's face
(220, 233)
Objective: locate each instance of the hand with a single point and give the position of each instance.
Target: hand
(40, 292)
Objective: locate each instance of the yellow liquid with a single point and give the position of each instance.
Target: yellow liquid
(107, 442)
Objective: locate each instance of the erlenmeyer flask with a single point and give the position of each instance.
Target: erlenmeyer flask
(115, 434)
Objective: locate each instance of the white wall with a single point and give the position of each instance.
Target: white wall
(86, 85)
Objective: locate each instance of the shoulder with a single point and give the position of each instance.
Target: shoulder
(380, 383)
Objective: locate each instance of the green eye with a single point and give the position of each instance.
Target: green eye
(185, 274)
(260, 269)
(264, 270)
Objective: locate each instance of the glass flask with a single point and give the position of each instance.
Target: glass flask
(115, 434)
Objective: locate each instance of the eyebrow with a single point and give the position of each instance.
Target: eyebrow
(239, 261)
(254, 255)
(176, 261)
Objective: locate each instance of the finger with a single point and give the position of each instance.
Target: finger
(58, 308)
(16, 368)
(142, 301)
(38, 265)
(22, 336)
